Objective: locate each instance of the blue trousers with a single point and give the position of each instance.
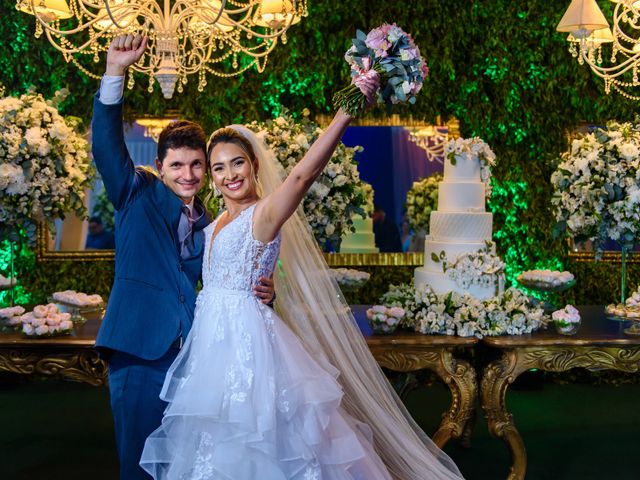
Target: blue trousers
(134, 387)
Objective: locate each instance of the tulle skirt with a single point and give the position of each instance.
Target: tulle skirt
(247, 402)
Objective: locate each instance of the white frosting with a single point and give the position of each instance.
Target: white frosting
(465, 169)
(455, 227)
(362, 240)
(461, 196)
(459, 226)
(451, 250)
(440, 284)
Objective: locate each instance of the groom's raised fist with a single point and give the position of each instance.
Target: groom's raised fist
(124, 51)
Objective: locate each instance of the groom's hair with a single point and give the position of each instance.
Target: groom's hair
(181, 134)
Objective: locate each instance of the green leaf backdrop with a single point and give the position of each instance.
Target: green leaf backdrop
(498, 66)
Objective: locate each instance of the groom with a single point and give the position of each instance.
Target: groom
(159, 246)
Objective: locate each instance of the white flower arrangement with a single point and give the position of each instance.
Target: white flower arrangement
(634, 299)
(350, 278)
(509, 313)
(337, 195)
(475, 268)
(44, 164)
(422, 199)
(383, 319)
(596, 188)
(468, 149)
(46, 321)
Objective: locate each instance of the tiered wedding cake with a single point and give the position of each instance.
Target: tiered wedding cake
(362, 240)
(460, 229)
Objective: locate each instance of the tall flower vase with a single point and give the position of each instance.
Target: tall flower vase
(10, 286)
(623, 275)
(634, 329)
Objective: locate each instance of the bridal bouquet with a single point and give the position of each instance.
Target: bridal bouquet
(44, 164)
(596, 190)
(388, 58)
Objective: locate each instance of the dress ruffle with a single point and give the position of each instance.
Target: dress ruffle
(247, 402)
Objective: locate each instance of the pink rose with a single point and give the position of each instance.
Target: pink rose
(27, 329)
(65, 317)
(377, 40)
(40, 311)
(52, 308)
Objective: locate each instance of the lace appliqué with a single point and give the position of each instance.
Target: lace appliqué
(202, 469)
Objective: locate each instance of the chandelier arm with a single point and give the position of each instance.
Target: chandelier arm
(619, 33)
(604, 71)
(113, 20)
(51, 36)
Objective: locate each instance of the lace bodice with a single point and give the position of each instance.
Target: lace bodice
(236, 260)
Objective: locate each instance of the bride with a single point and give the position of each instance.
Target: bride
(256, 394)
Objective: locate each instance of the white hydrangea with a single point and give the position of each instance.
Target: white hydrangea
(44, 164)
(596, 194)
(509, 313)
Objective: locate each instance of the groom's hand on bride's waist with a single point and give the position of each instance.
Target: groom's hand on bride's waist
(264, 290)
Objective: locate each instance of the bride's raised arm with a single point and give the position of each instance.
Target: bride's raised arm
(276, 208)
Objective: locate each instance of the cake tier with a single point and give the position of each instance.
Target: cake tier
(441, 284)
(467, 168)
(467, 227)
(451, 251)
(461, 196)
(362, 240)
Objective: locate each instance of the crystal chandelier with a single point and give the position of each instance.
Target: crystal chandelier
(153, 126)
(186, 37)
(589, 31)
(431, 139)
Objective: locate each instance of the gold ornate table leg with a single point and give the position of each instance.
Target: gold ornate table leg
(458, 375)
(85, 367)
(553, 358)
(497, 377)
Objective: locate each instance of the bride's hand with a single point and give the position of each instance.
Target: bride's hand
(369, 83)
(264, 290)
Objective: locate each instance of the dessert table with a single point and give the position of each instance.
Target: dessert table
(71, 357)
(599, 344)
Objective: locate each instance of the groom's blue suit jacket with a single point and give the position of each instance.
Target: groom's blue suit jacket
(153, 297)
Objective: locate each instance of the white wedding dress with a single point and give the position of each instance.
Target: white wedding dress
(246, 400)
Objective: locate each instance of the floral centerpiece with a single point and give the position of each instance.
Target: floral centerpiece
(383, 319)
(509, 313)
(388, 57)
(474, 268)
(596, 191)
(466, 149)
(337, 194)
(422, 199)
(44, 164)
